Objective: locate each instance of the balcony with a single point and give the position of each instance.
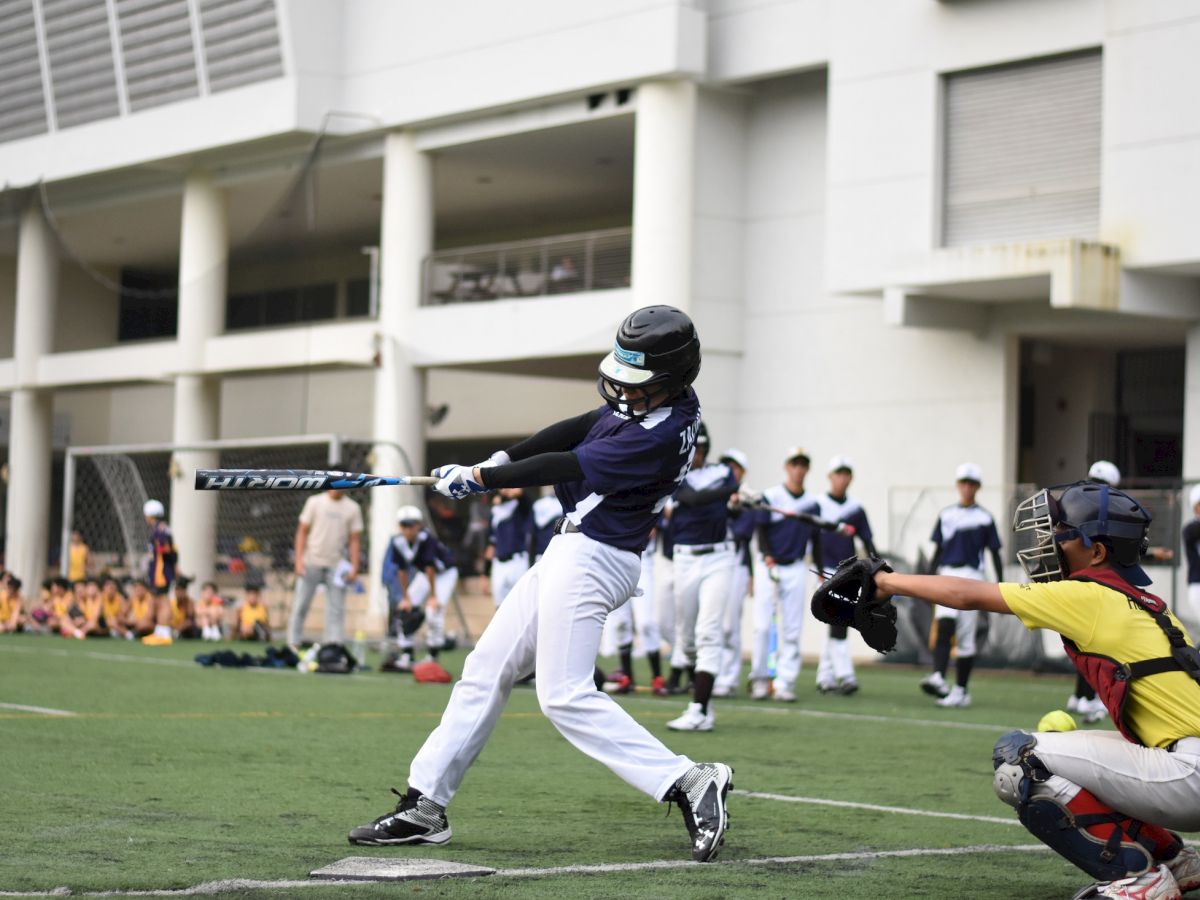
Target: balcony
(561, 264)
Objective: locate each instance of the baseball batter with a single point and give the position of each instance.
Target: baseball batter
(962, 533)
(613, 469)
(704, 562)
(1103, 800)
(835, 671)
(783, 542)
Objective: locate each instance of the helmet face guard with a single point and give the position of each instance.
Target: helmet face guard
(1087, 511)
(656, 355)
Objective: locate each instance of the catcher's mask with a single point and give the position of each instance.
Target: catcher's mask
(1086, 510)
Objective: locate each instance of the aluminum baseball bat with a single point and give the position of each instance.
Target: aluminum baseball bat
(815, 521)
(298, 480)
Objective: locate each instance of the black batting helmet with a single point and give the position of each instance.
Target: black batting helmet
(656, 351)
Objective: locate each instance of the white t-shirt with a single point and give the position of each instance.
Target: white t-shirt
(330, 523)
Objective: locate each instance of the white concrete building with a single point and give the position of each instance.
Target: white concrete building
(912, 231)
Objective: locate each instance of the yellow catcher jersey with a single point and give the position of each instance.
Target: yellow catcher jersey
(1161, 708)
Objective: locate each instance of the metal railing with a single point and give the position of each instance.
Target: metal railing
(561, 264)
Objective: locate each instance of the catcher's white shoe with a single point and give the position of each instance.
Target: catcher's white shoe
(956, 699)
(1186, 869)
(693, 719)
(1157, 884)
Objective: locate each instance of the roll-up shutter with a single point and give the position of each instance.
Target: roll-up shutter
(82, 75)
(1022, 151)
(22, 102)
(241, 42)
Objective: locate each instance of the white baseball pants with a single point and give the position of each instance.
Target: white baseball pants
(1148, 783)
(664, 596)
(506, 574)
(731, 637)
(435, 619)
(786, 595)
(636, 619)
(966, 621)
(552, 619)
(702, 583)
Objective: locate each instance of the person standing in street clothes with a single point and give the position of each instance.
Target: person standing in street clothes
(741, 528)
(705, 558)
(330, 526)
(783, 542)
(962, 533)
(835, 671)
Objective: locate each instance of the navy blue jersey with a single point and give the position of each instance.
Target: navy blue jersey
(424, 551)
(666, 533)
(511, 525)
(834, 546)
(1191, 550)
(741, 527)
(783, 538)
(963, 533)
(630, 468)
(546, 512)
(707, 521)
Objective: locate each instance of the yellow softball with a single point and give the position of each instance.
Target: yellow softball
(1058, 720)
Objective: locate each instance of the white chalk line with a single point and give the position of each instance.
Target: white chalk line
(874, 807)
(236, 885)
(44, 710)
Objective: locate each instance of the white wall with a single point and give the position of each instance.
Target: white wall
(88, 312)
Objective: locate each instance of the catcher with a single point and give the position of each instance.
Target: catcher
(1103, 800)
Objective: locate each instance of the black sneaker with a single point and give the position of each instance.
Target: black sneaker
(848, 687)
(416, 820)
(700, 794)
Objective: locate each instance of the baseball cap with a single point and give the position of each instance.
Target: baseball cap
(798, 453)
(969, 472)
(1194, 496)
(839, 462)
(410, 514)
(1103, 470)
(734, 455)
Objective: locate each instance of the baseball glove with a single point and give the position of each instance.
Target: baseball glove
(847, 597)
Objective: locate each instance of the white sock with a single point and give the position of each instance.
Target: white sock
(162, 631)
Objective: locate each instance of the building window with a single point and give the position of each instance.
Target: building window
(149, 306)
(1022, 151)
(282, 306)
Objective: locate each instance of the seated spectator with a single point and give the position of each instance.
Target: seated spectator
(183, 610)
(564, 277)
(252, 623)
(60, 606)
(93, 610)
(113, 603)
(75, 621)
(210, 612)
(12, 605)
(139, 614)
(37, 622)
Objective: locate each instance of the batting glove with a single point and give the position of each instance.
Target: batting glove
(456, 482)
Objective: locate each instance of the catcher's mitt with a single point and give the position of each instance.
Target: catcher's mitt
(847, 597)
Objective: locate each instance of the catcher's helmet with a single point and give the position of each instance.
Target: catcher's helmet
(656, 351)
(1090, 511)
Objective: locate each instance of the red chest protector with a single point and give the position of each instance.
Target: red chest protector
(1110, 677)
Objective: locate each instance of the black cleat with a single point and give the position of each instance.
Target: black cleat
(700, 794)
(416, 820)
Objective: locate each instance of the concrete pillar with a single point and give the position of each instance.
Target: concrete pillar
(203, 273)
(664, 162)
(27, 521)
(406, 238)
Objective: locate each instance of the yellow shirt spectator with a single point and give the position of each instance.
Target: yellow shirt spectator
(1160, 708)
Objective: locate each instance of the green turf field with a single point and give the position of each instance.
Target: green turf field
(170, 775)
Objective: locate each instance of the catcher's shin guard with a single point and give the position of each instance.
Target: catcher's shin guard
(1084, 831)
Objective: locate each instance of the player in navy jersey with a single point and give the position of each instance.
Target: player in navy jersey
(704, 564)
(613, 469)
(741, 529)
(420, 574)
(783, 542)
(962, 533)
(835, 671)
(1191, 552)
(509, 534)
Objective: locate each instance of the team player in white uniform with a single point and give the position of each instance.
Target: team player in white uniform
(783, 542)
(509, 533)
(420, 574)
(705, 558)
(637, 618)
(835, 671)
(741, 528)
(613, 469)
(962, 533)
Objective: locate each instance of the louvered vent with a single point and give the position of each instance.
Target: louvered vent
(79, 45)
(160, 58)
(1023, 151)
(22, 102)
(241, 42)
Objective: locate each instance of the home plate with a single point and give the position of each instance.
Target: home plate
(368, 868)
